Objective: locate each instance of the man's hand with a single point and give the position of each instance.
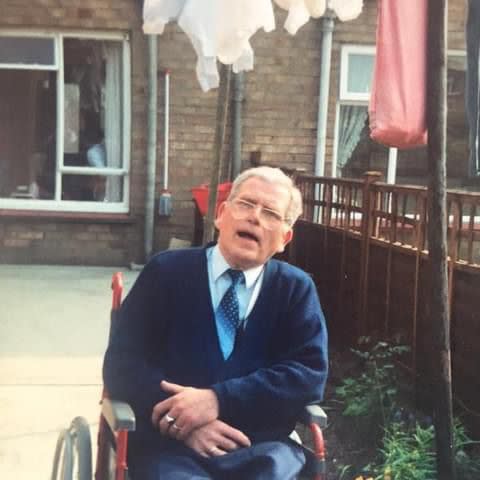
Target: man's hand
(187, 409)
(216, 438)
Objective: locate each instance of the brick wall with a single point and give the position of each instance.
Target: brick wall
(66, 242)
(280, 117)
(70, 238)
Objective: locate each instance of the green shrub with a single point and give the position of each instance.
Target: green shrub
(468, 466)
(408, 445)
(376, 389)
(409, 454)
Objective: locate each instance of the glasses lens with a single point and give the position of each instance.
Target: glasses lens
(270, 219)
(241, 209)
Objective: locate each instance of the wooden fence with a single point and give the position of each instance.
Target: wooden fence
(365, 244)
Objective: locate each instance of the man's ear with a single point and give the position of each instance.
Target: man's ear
(287, 238)
(220, 210)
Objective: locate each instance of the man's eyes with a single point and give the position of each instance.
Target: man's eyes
(246, 205)
(266, 212)
(271, 214)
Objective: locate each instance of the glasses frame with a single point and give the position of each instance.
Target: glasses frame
(269, 219)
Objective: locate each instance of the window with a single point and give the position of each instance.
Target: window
(457, 127)
(355, 153)
(413, 164)
(64, 122)
(356, 72)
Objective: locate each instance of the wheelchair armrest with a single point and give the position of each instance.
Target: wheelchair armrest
(119, 415)
(314, 414)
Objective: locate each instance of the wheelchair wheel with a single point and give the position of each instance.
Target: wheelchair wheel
(111, 465)
(79, 432)
(63, 457)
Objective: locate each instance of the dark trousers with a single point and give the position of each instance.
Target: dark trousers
(263, 461)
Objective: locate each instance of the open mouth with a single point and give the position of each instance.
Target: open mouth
(248, 236)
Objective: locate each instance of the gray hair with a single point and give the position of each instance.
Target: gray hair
(277, 177)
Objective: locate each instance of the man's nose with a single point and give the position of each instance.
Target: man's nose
(254, 214)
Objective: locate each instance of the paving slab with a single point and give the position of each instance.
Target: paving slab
(54, 324)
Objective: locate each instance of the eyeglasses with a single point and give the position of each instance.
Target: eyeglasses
(241, 209)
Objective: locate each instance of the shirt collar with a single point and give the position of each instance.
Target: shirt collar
(220, 266)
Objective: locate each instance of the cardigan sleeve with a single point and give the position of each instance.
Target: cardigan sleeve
(129, 370)
(295, 378)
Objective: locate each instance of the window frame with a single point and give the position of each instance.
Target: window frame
(57, 204)
(345, 97)
(346, 51)
(31, 66)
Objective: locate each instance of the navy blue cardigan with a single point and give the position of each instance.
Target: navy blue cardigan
(166, 330)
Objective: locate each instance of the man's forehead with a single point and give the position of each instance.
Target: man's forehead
(262, 186)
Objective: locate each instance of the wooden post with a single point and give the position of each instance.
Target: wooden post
(437, 235)
(420, 217)
(388, 279)
(221, 126)
(455, 238)
(368, 205)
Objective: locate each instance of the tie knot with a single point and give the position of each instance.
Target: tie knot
(236, 276)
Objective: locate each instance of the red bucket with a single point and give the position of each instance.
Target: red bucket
(200, 195)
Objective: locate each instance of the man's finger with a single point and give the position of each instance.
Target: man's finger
(159, 410)
(216, 452)
(236, 435)
(174, 431)
(171, 387)
(165, 424)
(185, 430)
(226, 444)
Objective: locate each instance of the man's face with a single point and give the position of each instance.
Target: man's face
(246, 240)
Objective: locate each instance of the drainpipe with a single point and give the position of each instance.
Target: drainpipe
(152, 146)
(238, 97)
(327, 28)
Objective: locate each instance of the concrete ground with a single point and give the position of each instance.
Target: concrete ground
(53, 331)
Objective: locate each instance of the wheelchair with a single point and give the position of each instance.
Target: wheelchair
(73, 452)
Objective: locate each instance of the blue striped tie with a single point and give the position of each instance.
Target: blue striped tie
(228, 310)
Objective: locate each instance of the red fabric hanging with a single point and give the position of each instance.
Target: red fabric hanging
(398, 101)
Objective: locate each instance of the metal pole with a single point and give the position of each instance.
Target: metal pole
(166, 141)
(437, 234)
(152, 146)
(392, 165)
(327, 27)
(222, 115)
(238, 97)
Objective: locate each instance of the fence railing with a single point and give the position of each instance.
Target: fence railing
(394, 214)
(365, 243)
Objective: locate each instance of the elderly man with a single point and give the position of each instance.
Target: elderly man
(218, 349)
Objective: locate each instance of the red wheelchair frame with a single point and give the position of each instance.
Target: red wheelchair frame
(109, 428)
